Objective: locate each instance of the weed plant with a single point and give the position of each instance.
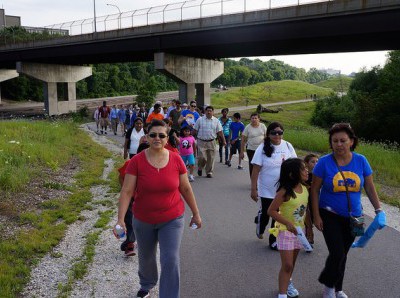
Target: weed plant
(26, 148)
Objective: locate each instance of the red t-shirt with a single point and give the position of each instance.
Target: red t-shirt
(157, 196)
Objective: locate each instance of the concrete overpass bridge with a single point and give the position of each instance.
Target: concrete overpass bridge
(188, 50)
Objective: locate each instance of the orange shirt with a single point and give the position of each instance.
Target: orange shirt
(153, 115)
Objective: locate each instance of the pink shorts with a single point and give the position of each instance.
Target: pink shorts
(288, 241)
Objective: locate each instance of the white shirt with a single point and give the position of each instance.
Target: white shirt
(271, 167)
(255, 135)
(135, 138)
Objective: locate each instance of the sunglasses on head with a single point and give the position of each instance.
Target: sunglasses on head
(160, 135)
(276, 132)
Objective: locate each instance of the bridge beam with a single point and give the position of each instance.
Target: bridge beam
(51, 74)
(194, 75)
(7, 74)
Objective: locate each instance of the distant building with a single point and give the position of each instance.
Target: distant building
(8, 21)
(12, 21)
(330, 71)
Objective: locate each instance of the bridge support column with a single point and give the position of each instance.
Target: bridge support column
(59, 84)
(193, 74)
(7, 74)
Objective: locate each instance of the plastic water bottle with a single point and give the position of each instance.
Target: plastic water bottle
(193, 226)
(120, 231)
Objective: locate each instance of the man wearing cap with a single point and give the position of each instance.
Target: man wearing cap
(152, 108)
(207, 129)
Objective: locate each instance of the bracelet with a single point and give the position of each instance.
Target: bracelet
(378, 210)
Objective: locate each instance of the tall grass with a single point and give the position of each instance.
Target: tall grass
(26, 148)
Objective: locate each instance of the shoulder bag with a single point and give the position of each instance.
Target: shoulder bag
(357, 224)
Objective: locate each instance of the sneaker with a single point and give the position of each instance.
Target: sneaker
(124, 245)
(240, 168)
(291, 290)
(209, 175)
(191, 178)
(200, 173)
(130, 249)
(273, 246)
(341, 294)
(228, 163)
(142, 294)
(328, 293)
(105, 132)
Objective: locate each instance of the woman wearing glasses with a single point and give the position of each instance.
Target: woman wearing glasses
(158, 178)
(267, 162)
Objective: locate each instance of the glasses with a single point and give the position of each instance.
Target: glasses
(193, 106)
(276, 132)
(160, 135)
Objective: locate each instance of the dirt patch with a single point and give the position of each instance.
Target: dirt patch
(48, 186)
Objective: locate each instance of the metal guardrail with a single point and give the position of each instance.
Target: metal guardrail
(174, 12)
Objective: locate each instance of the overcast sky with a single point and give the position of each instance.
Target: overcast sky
(42, 13)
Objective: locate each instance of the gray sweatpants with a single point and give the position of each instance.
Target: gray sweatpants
(169, 236)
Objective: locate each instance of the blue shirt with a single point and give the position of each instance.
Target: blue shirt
(114, 114)
(225, 125)
(333, 191)
(192, 118)
(236, 127)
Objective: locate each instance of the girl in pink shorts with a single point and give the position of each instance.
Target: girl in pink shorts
(289, 210)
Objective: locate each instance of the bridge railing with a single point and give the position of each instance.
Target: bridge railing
(174, 12)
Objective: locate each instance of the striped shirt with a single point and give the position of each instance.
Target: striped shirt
(207, 129)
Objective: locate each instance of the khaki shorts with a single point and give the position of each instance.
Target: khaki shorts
(104, 122)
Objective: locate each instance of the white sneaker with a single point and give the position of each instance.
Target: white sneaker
(191, 178)
(292, 291)
(341, 294)
(328, 292)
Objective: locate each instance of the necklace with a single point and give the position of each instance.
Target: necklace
(157, 160)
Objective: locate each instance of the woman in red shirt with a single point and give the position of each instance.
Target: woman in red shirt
(157, 178)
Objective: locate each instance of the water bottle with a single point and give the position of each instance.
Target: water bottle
(120, 231)
(193, 226)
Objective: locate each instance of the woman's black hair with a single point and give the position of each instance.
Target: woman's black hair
(138, 119)
(156, 123)
(171, 138)
(346, 128)
(268, 148)
(290, 175)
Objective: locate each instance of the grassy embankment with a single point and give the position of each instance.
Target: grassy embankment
(307, 138)
(337, 84)
(28, 151)
(268, 92)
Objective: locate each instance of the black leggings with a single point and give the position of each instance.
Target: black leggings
(250, 154)
(338, 239)
(262, 219)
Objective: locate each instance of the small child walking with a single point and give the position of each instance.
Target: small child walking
(236, 128)
(187, 149)
(289, 209)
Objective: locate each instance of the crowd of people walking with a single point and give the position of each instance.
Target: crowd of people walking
(294, 194)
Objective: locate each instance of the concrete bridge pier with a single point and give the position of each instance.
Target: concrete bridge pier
(194, 75)
(59, 84)
(7, 74)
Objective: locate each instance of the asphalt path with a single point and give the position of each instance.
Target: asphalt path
(225, 258)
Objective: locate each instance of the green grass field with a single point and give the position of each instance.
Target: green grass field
(338, 84)
(268, 92)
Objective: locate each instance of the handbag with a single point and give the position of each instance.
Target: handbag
(357, 224)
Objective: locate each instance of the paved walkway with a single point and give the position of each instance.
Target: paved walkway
(226, 259)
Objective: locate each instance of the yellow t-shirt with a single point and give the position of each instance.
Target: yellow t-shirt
(293, 210)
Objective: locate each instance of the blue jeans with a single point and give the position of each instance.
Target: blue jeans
(227, 140)
(169, 236)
